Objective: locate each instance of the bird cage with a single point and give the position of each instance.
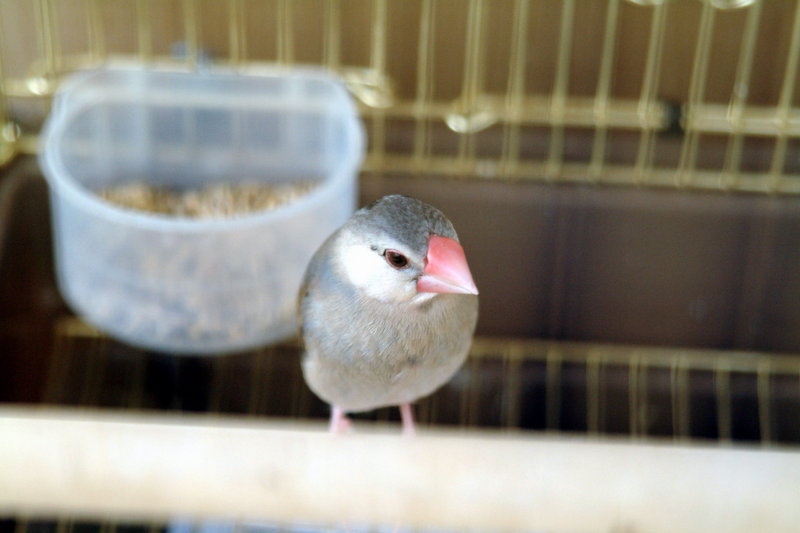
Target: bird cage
(625, 176)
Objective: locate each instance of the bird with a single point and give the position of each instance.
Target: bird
(387, 310)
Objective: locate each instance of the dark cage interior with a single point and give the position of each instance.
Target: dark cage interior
(612, 332)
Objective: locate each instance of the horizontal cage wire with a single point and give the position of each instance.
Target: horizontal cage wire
(680, 93)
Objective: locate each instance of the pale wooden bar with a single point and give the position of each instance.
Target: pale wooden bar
(103, 464)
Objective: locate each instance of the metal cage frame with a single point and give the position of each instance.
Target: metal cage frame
(478, 92)
(632, 93)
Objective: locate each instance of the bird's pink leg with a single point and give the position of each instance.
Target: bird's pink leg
(339, 421)
(407, 416)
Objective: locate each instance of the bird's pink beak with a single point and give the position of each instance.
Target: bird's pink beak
(446, 269)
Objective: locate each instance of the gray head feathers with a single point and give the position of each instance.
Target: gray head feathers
(405, 219)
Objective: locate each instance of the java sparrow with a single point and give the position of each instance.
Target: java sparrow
(387, 310)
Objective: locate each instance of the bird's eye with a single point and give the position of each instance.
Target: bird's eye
(395, 258)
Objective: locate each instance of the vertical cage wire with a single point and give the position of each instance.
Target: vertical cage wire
(697, 85)
(144, 30)
(97, 35)
(516, 87)
(56, 379)
(739, 93)
(634, 400)
(285, 33)
(722, 383)
(301, 398)
(512, 388)
(603, 92)
(8, 130)
(377, 57)
(470, 395)
(594, 396)
(679, 397)
(468, 108)
(93, 373)
(558, 100)
(135, 393)
(648, 95)
(332, 34)
(425, 83)
(553, 389)
(237, 32)
(257, 395)
(191, 31)
(763, 393)
(787, 97)
(46, 24)
(638, 395)
(377, 61)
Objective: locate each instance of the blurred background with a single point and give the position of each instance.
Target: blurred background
(624, 175)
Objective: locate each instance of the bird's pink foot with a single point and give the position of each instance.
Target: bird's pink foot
(407, 417)
(339, 421)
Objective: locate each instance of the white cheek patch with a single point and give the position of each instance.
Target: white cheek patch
(368, 270)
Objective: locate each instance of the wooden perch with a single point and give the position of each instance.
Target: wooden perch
(102, 464)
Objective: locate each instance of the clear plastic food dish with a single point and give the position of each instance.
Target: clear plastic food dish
(182, 284)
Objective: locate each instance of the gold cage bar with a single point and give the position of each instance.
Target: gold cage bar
(478, 98)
